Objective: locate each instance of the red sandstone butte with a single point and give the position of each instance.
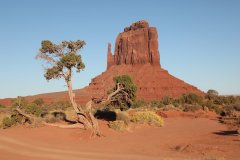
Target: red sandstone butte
(136, 54)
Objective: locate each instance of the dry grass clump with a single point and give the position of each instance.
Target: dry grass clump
(7, 122)
(71, 114)
(117, 125)
(147, 117)
(123, 116)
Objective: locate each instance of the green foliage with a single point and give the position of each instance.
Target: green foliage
(125, 98)
(191, 108)
(62, 57)
(191, 98)
(158, 104)
(212, 92)
(48, 46)
(230, 110)
(38, 101)
(7, 122)
(11, 121)
(128, 84)
(33, 109)
(148, 117)
(2, 106)
(138, 103)
(19, 101)
(213, 107)
(71, 60)
(53, 73)
(167, 100)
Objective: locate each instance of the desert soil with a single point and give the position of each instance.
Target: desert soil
(180, 138)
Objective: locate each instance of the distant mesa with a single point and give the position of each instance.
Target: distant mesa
(136, 54)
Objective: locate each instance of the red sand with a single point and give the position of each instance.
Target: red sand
(180, 138)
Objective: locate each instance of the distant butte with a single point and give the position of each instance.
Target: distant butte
(136, 54)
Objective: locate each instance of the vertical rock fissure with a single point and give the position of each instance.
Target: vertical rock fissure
(138, 44)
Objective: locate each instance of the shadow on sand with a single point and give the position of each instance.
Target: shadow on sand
(227, 133)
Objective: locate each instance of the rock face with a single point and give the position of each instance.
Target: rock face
(136, 54)
(138, 44)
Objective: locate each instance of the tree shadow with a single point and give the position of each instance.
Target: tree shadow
(106, 114)
(62, 116)
(227, 133)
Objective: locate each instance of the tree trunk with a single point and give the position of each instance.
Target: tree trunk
(84, 116)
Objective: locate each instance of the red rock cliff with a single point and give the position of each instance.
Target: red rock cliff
(136, 54)
(138, 44)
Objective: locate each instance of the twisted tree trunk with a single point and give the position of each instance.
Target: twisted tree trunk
(85, 116)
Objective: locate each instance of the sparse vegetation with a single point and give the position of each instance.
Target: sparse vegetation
(38, 101)
(126, 96)
(117, 125)
(147, 117)
(138, 103)
(33, 109)
(123, 116)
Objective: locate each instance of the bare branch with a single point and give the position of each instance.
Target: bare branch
(22, 113)
(46, 57)
(119, 88)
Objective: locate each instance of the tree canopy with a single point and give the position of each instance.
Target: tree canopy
(62, 58)
(128, 93)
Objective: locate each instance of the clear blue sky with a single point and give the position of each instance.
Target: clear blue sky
(199, 40)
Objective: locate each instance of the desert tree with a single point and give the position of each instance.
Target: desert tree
(127, 92)
(212, 94)
(62, 60)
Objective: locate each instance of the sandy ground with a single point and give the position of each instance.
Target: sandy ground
(180, 138)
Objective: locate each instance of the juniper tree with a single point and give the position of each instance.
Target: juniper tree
(62, 60)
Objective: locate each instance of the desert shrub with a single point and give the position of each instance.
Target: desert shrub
(60, 105)
(191, 98)
(147, 117)
(230, 100)
(117, 125)
(8, 122)
(176, 102)
(123, 116)
(231, 110)
(121, 100)
(191, 108)
(167, 100)
(53, 117)
(157, 104)
(38, 101)
(138, 103)
(214, 107)
(211, 94)
(19, 101)
(33, 109)
(219, 100)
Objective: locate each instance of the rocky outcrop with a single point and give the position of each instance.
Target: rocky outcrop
(136, 54)
(138, 44)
